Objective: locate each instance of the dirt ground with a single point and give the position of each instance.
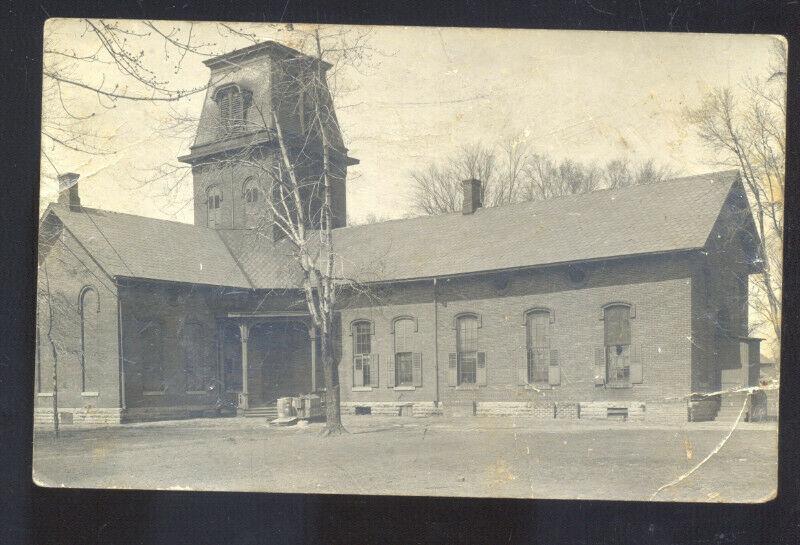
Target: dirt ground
(520, 458)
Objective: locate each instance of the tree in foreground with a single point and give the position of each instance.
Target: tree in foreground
(302, 177)
(299, 168)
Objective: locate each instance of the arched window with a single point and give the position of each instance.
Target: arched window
(253, 202)
(617, 335)
(467, 348)
(233, 103)
(150, 345)
(365, 363)
(214, 201)
(404, 352)
(537, 332)
(89, 307)
(196, 363)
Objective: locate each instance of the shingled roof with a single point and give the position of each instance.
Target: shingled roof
(125, 245)
(669, 216)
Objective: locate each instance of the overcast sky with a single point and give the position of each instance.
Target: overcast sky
(425, 91)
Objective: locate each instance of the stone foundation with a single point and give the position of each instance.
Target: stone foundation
(609, 410)
(515, 408)
(668, 413)
(393, 408)
(568, 411)
(458, 408)
(151, 414)
(426, 408)
(77, 417)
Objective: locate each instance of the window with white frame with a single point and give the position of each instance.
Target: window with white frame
(365, 365)
(467, 343)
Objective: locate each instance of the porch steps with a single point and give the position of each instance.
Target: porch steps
(730, 407)
(269, 412)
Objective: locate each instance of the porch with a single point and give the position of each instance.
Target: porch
(265, 356)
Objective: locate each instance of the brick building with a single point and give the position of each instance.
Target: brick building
(614, 304)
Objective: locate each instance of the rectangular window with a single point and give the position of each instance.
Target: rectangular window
(403, 369)
(403, 350)
(467, 344)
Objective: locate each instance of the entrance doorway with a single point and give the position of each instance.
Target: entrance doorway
(280, 364)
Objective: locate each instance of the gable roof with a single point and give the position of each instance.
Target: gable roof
(675, 215)
(126, 245)
(661, 217)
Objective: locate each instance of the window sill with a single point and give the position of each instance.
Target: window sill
(404, 388)
(153, 393)
(361, 389)
(195, 392)
(618, 386)
(44, 394)
(468, 387)
(90, 394)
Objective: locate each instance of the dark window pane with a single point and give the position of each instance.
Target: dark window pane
(617, 325)
(618, 358)
(538, 337)
(403, 368)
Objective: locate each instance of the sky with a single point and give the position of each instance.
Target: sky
(422, 92)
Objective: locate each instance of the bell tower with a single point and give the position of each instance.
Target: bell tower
(236, 154)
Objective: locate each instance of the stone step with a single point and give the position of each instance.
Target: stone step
(267, 411)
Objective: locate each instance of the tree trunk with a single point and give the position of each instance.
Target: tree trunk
(333, 414)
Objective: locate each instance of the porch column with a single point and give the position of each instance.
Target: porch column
(312, 333)
(244, 333)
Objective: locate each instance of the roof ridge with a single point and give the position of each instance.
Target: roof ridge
(574, 196)
(235, 259)
(65, 208)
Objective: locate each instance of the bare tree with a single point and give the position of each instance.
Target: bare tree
(745, 129)
(511, 173)
(300, 203)
(547, 179)
(302, 176)
(623, 173)
(107, 66)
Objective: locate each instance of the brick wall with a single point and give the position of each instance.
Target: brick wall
(70, 270)
(717, 293)
(659, 288)
(171, 308)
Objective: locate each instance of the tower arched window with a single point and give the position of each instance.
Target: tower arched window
(233, 103)
(253, 198)
(214, 202)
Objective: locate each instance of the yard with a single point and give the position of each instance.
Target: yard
(505, 457)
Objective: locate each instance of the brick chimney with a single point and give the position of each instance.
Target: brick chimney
(472, 195)
(68, 190)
